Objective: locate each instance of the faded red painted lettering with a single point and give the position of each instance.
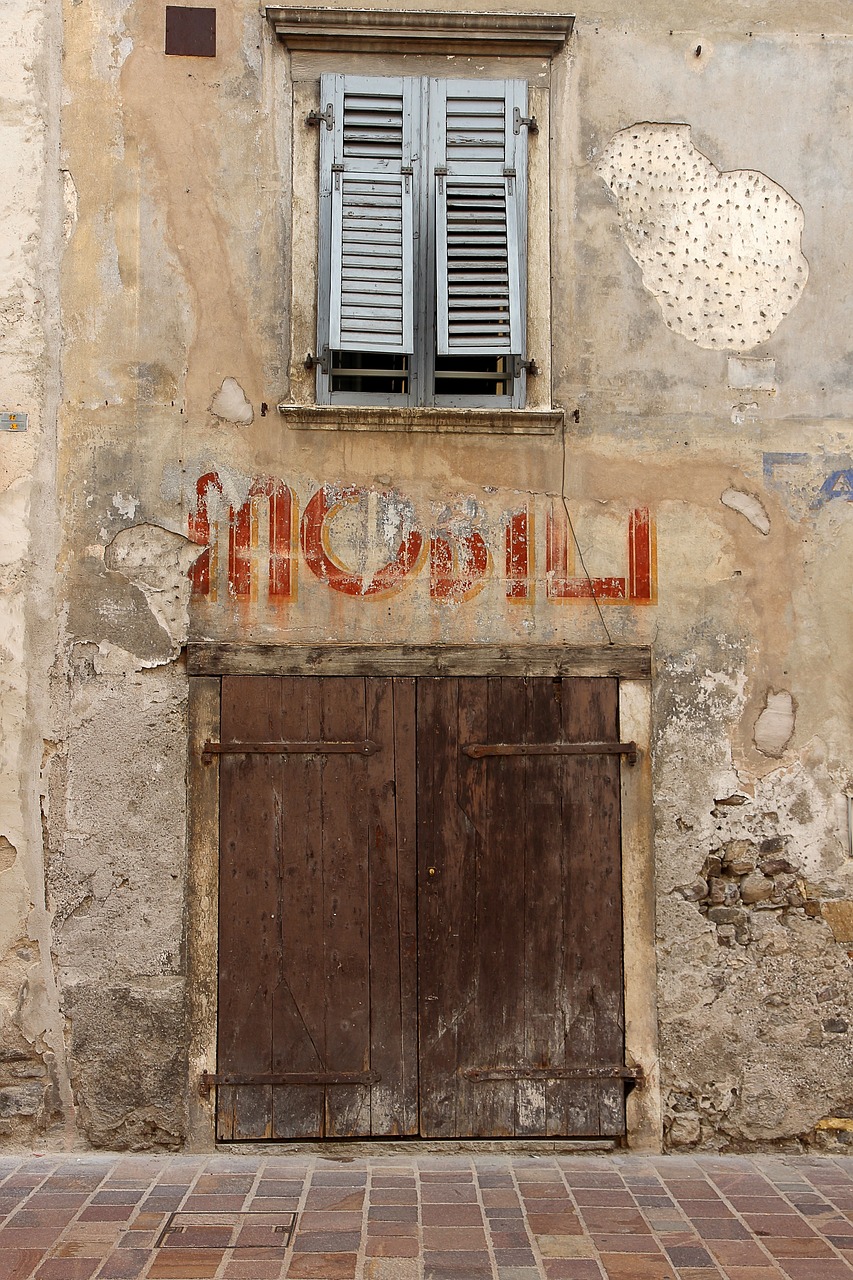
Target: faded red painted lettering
(564, 584)
(243, 538)
(458, 565)
(318, 515)
(519, 556)
(199, 531)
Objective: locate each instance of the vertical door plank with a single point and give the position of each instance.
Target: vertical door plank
(593, 979)
(298, 1009)
(346, 918)
(249, 943)
(494, 1031)
(544, 907)
(445, 976)
(393, 975)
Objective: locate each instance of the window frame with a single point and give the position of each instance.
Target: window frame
(425, 138)
(486, 45)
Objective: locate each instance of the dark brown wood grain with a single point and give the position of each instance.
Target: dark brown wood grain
(314, 939)
(519, 910)
(416, 937)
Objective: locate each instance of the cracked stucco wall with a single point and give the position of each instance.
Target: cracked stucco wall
(35, 1093)
(709, 486)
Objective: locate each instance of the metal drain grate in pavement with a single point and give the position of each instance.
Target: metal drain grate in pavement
(249, 1230)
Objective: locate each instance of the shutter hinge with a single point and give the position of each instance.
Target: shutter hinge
(326, 117)
(318, 362)
(530, 367)
(529, 122)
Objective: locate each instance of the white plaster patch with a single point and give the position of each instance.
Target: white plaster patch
(157, 562)
(70, 201)
(748, 505)
(125, 506)
(775, 725)
(743, 413)
(719, 251)
(231, 405)
(751, 375)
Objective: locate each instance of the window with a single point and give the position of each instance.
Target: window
(422, 246)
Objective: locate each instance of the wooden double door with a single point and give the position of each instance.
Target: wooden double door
(420, 925)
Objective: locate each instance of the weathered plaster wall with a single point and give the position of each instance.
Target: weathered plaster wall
(34, 1086)
(709, 487)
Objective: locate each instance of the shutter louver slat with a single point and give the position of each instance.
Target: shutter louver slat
(478, 220)
(372, 230)
(477, 268)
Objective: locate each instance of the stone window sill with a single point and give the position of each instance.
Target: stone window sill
(502, 422)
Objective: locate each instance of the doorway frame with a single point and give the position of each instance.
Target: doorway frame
(631, 665)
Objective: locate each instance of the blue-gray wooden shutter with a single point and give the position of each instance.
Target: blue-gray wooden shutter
(479, 157)
(366, 177)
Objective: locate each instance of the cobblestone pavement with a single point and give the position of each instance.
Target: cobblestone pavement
(426, 1217)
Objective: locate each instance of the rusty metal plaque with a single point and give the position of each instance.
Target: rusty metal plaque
(190, 33)
(250, 1230)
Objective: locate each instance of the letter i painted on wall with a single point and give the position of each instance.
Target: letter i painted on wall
(519, 555)
(243, 539)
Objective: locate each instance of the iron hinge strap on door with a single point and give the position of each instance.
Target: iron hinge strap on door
(481, 1075)
(363, 748)
(479, 749)
(210, 1078)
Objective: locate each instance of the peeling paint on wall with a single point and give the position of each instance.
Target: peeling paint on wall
(719, 251)
(230, 404)
(775, 725)
(748, 505)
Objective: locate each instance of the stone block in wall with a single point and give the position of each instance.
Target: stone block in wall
(128, 1063)
(839, 916)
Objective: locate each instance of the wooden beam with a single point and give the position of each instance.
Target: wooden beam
(213, 658)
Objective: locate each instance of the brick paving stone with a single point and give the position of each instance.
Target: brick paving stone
(185, 1264)
(124, 1264)
(448, 1215)
(823, 1270)
(325, 1220)
(514, 1258)
(565, 1224)
(17, 1263)
(720, 1229)
(625, 1244)
(454, 1238)
(448, 1193)
(400, 1212)
(241, 1269)
(107, 1213)
(323, 1266)
(401, 1229)
(738, 1253)
(338, 1198)
(777, 1224)
(689, 1256)
(326, 1241)
(621, 1266)
(599, 1196)
(67, 1268)
(564, 1269)
(392, 1247)
(391, 1269)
